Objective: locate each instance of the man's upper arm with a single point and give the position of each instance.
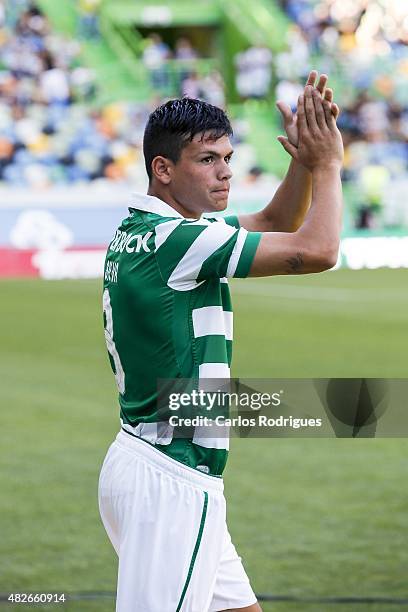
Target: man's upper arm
(190, 252)
(288, 253)
(277, 252)
(257, 222)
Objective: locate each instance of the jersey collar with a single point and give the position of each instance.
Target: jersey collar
(154, 205)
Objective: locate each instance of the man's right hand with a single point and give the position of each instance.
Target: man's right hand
(320, 143)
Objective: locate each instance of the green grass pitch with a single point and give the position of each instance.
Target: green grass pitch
(310, 517)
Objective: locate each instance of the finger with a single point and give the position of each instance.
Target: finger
(311, 79)
(301, 116)
(289, 148)
(328, 95)
(285, 111)
(330, 120)
(335, 110)
(310, 109)
(319, 111)
(322, 83)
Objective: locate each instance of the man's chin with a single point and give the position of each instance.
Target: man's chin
(218, 204)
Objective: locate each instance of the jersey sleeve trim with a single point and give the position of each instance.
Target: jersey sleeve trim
(243, 260)
(236, 253)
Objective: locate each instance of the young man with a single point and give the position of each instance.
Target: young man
(168, 315)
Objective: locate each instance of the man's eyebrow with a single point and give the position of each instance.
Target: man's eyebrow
(215, 153)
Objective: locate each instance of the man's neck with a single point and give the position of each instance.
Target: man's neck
(171, 201)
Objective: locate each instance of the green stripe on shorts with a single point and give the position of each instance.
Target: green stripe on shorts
(195, 551)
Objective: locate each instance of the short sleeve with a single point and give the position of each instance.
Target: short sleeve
(190, 252)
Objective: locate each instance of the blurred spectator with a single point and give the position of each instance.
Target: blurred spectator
(294, 61)
(254, 72)
(155, 55)
(254, 175)
(191, 86)
(213, 89)
(82, 84)
(289, 92)
(88, 19)
(209, 88)
(186, 56)
(373, 119)
(156, 52)
(2, 14)
(54, 83)
(373, 181)
(184, 50)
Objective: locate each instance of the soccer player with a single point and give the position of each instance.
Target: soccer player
(168, 315)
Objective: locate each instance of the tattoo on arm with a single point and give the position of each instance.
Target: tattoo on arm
(295, 263)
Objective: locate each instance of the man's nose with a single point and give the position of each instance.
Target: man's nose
(224, 172)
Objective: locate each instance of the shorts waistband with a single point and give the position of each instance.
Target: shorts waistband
(168, 464)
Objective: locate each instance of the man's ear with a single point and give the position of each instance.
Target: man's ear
(161, 169)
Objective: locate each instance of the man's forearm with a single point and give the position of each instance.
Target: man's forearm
(287, 209)
(322, 224)
(314, 246)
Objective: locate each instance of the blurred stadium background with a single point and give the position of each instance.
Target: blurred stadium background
(78, 78)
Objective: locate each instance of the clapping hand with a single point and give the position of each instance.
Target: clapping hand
(320, 145)
(290, 120)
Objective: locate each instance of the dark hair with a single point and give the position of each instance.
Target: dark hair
(173, 124)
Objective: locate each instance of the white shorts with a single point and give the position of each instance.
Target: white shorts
(167, 524)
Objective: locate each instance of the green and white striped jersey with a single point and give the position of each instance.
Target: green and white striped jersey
(168, 315)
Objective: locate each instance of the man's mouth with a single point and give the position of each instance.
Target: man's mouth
(224, 191)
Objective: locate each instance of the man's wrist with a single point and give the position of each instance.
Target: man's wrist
(326, 167)
(297, 165)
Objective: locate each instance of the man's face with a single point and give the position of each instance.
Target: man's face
(200, 179)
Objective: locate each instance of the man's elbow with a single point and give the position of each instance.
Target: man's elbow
(326, 259)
